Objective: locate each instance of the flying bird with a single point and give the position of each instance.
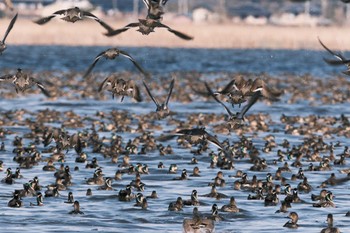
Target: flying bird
(2, 43)
(119, 86)
(22, 81)
(154, 8)
(199, 135)
(146, 26)
(238, 90)
(72, 15)
(239, 115)
(162, 109)
(152, 21)
(194, 136)
(234, 94)
(111, 54)
(341, 60)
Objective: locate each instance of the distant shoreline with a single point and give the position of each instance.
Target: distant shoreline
(238, 36)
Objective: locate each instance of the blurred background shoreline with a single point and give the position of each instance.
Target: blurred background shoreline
(287, 24)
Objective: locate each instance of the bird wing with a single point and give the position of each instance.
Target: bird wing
(42, 88)
(48, 139)
(251, 102)
(104, 83)
(118, 31)
(163, 138)
(177, 33)
(184, 132)
(213, 140)
(94, 17)
(7, 77)
(336, 62)
(150, 95)
(228, 88)
(13, 20)
(136, 94)
(200, 92)
(97, 58)
(48, 18)
(89, 15)
(337, 55)
(147, 3)
(347, 72)
(44, 20)
(125, 54)
(217, 100)
(76, 143)
(192, 132)
(60, 12)
(171, 86)
(271, 94)
(105, 25)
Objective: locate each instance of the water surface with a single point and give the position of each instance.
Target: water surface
(103, 211)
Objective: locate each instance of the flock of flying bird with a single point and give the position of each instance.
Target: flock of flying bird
(236, 92)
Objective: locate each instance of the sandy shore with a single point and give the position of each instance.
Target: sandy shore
(58, 32)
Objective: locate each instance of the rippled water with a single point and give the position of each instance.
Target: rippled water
(158, 60)
(103, 211)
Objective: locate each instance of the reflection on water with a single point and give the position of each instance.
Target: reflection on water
(103, 211)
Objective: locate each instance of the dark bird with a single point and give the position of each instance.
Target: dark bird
(15, 202)
(239, 89)
(2, 43)
(341, 60)
(215, 194)
(146, 26)
(76, 209)
(215, 213)
(39, 200)
(126, 194)
(176, 206)
(22, 81)
(9, 179)
(72, 15)
(327, 202)
(231, 207)
(111, 54)
(119, 86)
(233, 93)
(293, 223)
(198, 223)
(155, 8)
(330, 228)
(70, 199)
(162, 109)
(199, 135)
(194, 199)
(239, 115)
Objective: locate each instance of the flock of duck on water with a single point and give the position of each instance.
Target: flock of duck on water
(237, 92)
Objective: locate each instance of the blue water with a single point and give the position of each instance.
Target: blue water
(103, 211)
(159, 60)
